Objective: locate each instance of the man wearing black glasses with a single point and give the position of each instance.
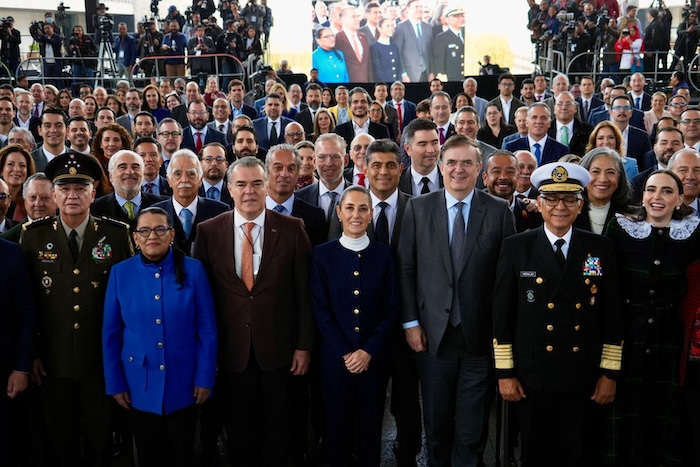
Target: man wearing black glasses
(557, 325)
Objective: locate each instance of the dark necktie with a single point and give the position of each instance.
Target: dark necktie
(73, 245)
(426, 188)
(221, 127)
(273, 134)
(198, 143)
(457, 251)
(638, 103)
(586, 109)
(149, 187)
(398, 111)
(279, 208)
(560, 254)
(442, 136)
(381, 229)
(331, 207)
(36, 111)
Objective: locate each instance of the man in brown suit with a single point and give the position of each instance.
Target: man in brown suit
(355, 47)
(258, 265)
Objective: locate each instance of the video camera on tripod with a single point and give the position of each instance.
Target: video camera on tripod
(5, 24)
(154, 7)
(61, 12)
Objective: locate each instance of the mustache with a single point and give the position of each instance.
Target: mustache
(185, 185)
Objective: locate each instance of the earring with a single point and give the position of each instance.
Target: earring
(678, 208)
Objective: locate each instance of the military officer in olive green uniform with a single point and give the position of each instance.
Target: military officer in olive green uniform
(557, 325)
(70, 256)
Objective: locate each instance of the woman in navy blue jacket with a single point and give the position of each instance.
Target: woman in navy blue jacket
(356, 304)
(159, 342)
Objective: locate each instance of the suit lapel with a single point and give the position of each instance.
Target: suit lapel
(476, 218)
(437, 223)
(226, 237)
(272, 235)
(396, 234)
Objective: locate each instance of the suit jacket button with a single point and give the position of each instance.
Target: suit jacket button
(76, 271)
(157, 275)
(131, 359)
(76, 289)
(162, 367)
(549, 348)
(539, 280)
(550, 305)
(356, 273)
(657, 262)
(250, 297)
(356, 311)
(575, 349)
(651, 292)
(160, 345)
(577, 328)
(356, 292)
(578, 306)
(550, 327)
(76, 308)
(357, 329)
(157, 297)
(76, 325)
(158, 321)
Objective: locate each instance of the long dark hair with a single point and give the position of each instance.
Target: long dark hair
(679, 213)
(178, 254)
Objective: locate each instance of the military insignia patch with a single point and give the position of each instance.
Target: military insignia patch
(592, 267)
(46, 281)
(530, 295)
(103, 251)
(47, 256)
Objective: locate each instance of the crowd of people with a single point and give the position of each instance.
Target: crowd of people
(296, 254)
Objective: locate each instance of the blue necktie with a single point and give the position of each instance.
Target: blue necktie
(538, 153)
(279, 208)
(186, 218)
(213, 193)
(638, 103)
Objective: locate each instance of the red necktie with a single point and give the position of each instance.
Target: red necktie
(198, 144)
(442, 136)
(361, 180)
(398, 108)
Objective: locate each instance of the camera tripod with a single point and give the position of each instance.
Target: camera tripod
(106, 54)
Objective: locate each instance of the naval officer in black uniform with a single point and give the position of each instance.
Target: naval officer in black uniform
(70, 256)
(557, 324)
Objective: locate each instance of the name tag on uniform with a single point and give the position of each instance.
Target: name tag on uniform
(121, 53)
(528, 273)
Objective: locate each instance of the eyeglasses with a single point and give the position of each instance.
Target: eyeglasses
(295, 133)
(198, 112)
(552, 201)
(145, 232)
(327, 36)
(679, 104)
(690, 120)
(622, 107)
(4, 197)
(211, 159)
(565, 104)
(168, 134)
(359, 147)
(508, 85)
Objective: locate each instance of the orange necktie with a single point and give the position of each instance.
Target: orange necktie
(247, 257)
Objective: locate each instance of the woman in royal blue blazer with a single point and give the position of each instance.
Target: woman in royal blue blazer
(356, 305)
(159, 342)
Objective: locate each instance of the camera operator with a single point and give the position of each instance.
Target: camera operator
(174, 15)
(687, 41)
(174, 43)
(254, 15)
(654, 35)
(610, 34)
(211, 29)
(197, 49)
(581, 42)
(82, 47)
(589, 18)
(103, 23)
(9, 41)
(191, 26)
(50, 48)
(148, 45)
(268, 21)
(228, 43)
(205, 8)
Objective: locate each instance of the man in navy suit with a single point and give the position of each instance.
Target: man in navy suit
(214, 165)
(414, 38)
(544, 148)
(359, 106)
(636, 120)
(198, 134)
(270, 129)
(313, 101)
(406, 110)
(331, 157)
(422, 144)
(566, 127)
(641, 100)
(588, 102)
(153, 182)
(16, 339)
(635, 142)
(236, 91)
(669, 140)
(185, 208)
(126, 175)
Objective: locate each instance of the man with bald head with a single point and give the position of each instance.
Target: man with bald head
(470, 88)
(686, 164)
(294, 133)
(357, 151)
(566, 127)
(222, 123)
(5, 223)
(126, 175)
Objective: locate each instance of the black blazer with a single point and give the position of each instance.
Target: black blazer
(108, 206)
(406, 183)
(212, 136)
(247, 110)
(646, 100)
(206, 209)
(225, 195)
(595, 103)
(306, 120)
(348, 133)
(164, 189)
(310, 193)
(578, 140)
(637, 146)
(314, 220)
(638, 182)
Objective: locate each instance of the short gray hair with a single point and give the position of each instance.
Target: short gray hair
(335, 138)
(678, 154)
(247, 162)
(283, 147)
(38, 177)
(185, 154)
(114, 160)
(26, 133)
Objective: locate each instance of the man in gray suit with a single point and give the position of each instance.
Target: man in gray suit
(414, 37)
(470, 87)
(133, 103)
(446, 293)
